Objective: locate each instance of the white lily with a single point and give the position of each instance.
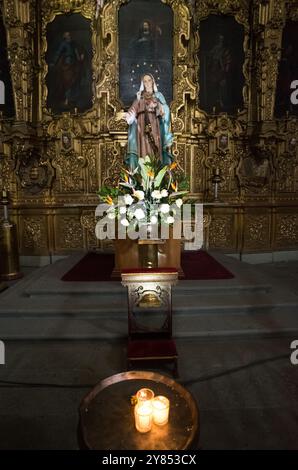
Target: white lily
(139, 214)
(124, 222)
(170, 220)
(139, 195)
(164, 208)
(128, 199)
(122, 210)
(111, 215)
(156, 194)
(154, 219)
(179, 202)
(164, 193)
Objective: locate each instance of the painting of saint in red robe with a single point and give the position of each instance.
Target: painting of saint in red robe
(69, 59)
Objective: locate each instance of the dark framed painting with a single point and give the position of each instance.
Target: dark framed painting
(288, 71)
(221, 58)
(69, 60)
(6, 92)
(145, 46)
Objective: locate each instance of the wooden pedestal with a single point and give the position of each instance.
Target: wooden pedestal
(127, 255)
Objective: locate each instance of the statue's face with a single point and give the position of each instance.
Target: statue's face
(67, 36)
(146, 28)
(148, 83)
(221, 39)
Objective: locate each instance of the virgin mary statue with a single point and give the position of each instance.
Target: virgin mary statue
(149, 121)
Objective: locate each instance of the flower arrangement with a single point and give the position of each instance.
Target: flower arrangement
(152, 194)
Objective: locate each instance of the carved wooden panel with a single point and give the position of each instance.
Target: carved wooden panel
(286, 235)
(257, 229)
(221, 232)
(68, 233)
(33, 234)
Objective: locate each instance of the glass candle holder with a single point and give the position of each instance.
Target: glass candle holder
(145, 395)
(143, 416)
(161, 408)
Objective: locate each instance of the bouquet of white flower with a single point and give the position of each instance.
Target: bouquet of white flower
(152, 194)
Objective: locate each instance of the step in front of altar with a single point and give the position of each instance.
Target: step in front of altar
(42, 306)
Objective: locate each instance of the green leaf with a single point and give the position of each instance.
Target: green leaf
(145, 177)
(158, 179)
(178, 193)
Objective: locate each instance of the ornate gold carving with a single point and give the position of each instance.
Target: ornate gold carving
(7, 166)
(198, 177)
(88, 222)
(221, 231)
(34, 233)
(69, 233)
(286, 178)
(182, 156)
(257, 232)
(34, 173)
(69, 172)
(254, 171)
(66, 5)
(112, 162)
(267, 70)
(226, 162)
(287, 230)
(65, 123)
(20, 18)
(92, 168)
(256, 154)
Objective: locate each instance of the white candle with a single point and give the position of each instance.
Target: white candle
(143, 416)
(161, 407)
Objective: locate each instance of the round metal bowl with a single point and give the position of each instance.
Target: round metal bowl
(107, 415)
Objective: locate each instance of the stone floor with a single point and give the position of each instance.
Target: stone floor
(246, 386)
(259, 301)
(246, 390)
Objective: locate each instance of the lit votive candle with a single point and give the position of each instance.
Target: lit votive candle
(143, 416)
(161, 407)
(145, 395)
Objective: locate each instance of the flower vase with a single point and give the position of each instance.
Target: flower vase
(148, 251)
(148, 254)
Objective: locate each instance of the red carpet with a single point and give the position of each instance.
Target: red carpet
(95, 267)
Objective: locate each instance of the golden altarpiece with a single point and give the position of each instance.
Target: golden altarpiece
(53, 182)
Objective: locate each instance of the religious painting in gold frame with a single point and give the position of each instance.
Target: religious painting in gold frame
(221, 57)
(145, 46)
(6, 94)
(69, 60)
(287, 72)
